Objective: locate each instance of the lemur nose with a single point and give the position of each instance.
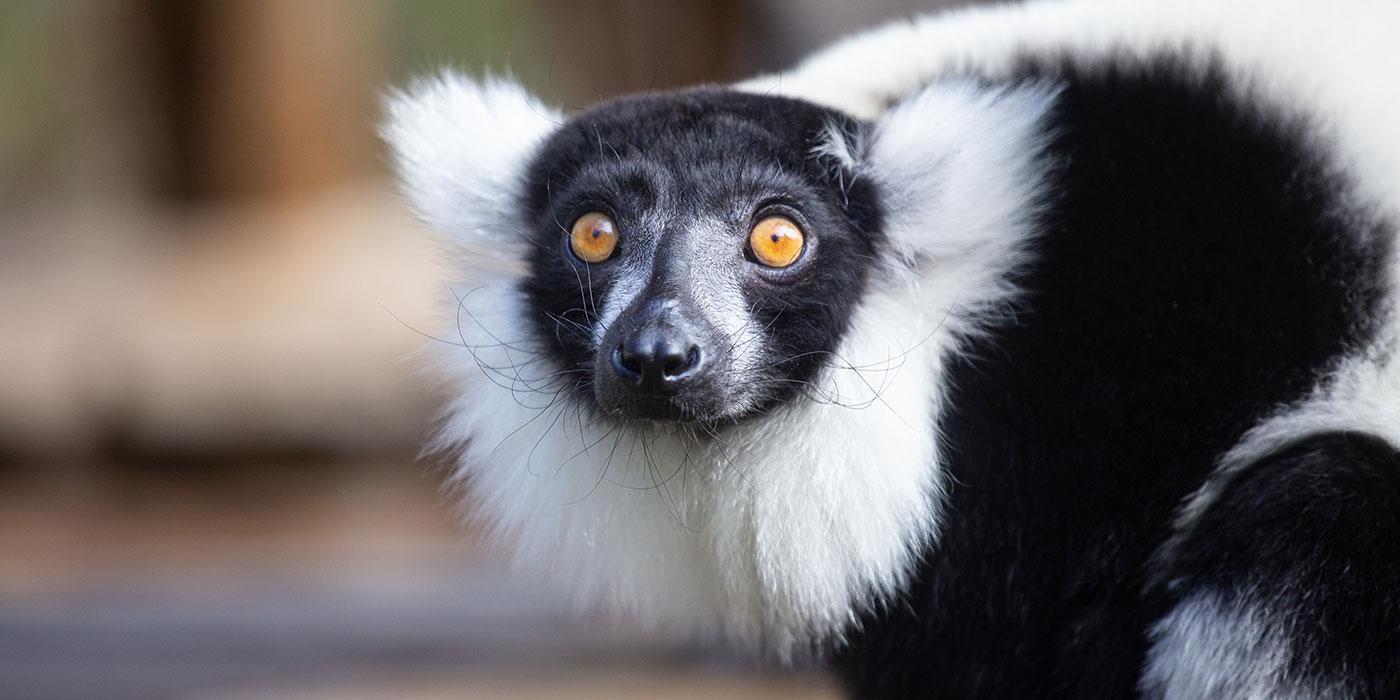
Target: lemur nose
(656, 363)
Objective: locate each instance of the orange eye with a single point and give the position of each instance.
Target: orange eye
(594, 237)
(776, 241)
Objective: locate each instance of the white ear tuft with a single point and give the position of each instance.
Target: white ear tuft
(960, 167)
(845, 148)
(461, 147)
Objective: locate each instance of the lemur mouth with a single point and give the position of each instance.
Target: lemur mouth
(663, 409)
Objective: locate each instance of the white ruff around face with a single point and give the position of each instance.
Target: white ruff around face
(766, 532)
(774, 532)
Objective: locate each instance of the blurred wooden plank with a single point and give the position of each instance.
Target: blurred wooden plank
(269, 98)
(603, 49)
(591, 683)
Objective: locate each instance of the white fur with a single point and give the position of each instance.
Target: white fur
(1206, 649)
(459, 147)
(959, 166)
(773, 532)
(846, 150)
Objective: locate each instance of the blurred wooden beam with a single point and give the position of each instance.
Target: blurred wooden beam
(268, 98)
(603, 49)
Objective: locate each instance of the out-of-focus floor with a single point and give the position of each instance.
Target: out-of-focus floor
(296, 579)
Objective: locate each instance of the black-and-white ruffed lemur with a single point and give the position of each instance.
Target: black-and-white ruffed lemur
(1027, 351)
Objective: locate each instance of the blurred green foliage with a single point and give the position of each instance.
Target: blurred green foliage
(498, 36)
(30, 104)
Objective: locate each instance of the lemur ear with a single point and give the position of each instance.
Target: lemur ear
(957, 166)
(461, 147)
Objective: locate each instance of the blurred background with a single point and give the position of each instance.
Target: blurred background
(209, 292)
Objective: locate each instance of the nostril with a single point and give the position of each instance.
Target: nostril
(655, 365)
(626, 364)
(677, 364)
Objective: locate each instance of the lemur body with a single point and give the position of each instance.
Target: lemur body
(1082, 383)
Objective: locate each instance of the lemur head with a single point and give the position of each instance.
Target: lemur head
(695, 256)
(695, 338)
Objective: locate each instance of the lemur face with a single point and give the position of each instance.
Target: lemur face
(636, 277)
(695, 257)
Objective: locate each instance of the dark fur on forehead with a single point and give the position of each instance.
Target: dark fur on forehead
(693, 128)
(656, 162)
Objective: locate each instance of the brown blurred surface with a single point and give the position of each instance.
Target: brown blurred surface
(301, 580)
(583, 684)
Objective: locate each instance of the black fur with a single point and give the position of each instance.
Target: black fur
(1310, 537)
(663, 165)
(1199, 267)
